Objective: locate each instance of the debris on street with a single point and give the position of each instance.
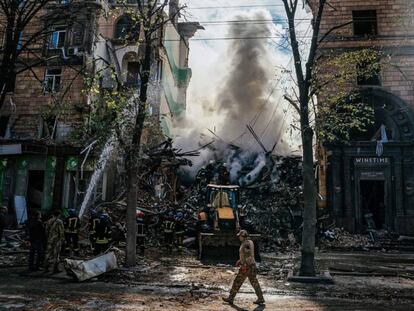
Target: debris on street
(85, 270)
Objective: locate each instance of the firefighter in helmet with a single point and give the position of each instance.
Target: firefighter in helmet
(103, 234)
(93, 223)
(72, 227)
(169, 230)
(141, 231)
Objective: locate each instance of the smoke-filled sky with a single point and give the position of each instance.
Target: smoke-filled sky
(238, 82)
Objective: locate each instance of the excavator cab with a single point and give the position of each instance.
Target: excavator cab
(222, 204)
(217, 237)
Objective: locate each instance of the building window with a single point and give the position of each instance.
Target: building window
(133, 69)
(20, 42)
(159, 70)
(3, 39)
(125, 29)
(365, 23)
(57, 39)
(368, 74)
(11, 83)
(4, 121)
(52, 80)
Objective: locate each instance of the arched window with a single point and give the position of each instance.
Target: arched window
(125, 29)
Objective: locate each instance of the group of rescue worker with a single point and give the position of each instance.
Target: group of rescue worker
(173, 227)
(48, 239)
(213, 173)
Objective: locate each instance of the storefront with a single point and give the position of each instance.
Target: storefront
(368, 180)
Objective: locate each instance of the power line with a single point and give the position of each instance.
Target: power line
(235, 6)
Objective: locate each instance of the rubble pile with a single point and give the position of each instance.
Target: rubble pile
(275, 208)
(339, 238)
(272, 201)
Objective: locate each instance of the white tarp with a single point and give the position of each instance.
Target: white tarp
(84, 270)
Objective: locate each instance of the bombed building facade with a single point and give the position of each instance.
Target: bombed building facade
(41, 164)
(372, 175)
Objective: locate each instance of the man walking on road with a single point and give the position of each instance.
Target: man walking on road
(248, 269)
(55, 232)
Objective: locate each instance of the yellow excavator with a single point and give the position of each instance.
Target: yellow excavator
(219, 222)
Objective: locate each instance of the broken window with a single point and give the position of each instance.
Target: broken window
(4, 121)
(133, 74)
(3, 40)
(365, 22)
(52, 80)
(57, 39)
(11, 83)
(125, 29)
(368, 73)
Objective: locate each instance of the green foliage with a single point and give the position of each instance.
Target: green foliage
(113, 111)
(340, 111)
(347, 114)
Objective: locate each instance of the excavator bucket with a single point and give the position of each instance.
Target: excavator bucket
(223, 247)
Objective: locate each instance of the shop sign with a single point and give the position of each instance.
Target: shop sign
(371, 161)
(373, 175)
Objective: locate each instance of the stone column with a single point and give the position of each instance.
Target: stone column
(47, 199)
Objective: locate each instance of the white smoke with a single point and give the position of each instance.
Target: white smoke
(259, 164)
(244, 78)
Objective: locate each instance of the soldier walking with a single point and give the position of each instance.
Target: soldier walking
(55, 233)
(248, 269)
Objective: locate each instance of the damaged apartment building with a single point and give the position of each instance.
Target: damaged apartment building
(372, 176)
(41, 165)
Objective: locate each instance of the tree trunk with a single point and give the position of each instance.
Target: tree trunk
(309, 213)
(132, 163)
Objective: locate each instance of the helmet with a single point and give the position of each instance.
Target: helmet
(140, 214)
(243, 233)
(104, 216)
(179, 216)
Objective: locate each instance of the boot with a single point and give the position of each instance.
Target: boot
(229, 300)
(259, 301)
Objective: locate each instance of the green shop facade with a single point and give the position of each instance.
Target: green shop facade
(40, 176)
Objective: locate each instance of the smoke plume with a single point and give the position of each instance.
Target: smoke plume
(240, 98)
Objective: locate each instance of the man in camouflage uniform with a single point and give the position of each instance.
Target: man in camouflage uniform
(55, 232)
(247, 269)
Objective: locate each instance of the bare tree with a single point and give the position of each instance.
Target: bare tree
(335, 116)
(304, 76)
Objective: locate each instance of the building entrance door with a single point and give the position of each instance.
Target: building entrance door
(373, 201)
(35, 189)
